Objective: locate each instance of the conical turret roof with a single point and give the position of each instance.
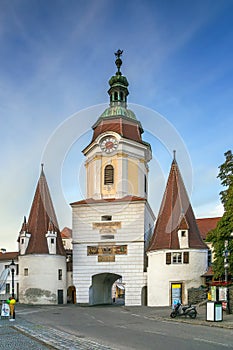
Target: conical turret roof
(42, 215)
(175, 214)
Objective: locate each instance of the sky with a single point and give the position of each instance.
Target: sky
(56, 59)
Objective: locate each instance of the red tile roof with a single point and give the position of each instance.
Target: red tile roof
(41, 215)
(106, 200)
(175, 213)
(127, 128)
(207, 224)
(66, 232)
(8, 256)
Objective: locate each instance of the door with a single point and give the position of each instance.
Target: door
(60, 296)
(176, 293)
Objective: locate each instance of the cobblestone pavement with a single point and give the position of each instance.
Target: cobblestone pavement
(12, 339)
(15, 336)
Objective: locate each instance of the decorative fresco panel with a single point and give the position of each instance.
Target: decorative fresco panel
(107, 250)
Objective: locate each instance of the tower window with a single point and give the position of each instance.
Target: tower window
(108, 175)
(106, 218)
(121, 96)
(25, 272)
(145, 184)
(52, 240)
(115, 96)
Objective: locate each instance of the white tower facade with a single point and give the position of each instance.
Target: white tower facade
(112, 226)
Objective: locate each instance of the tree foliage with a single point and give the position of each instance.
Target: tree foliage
(224, 228)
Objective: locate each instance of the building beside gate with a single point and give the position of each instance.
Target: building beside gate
(177, 255)
(42, 257)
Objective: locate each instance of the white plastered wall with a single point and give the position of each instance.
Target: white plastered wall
(161, 275)
(42, 284)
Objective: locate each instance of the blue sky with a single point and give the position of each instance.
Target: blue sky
(56, 59)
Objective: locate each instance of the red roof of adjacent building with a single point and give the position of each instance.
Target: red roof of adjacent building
(66, 232)
(205, 225)
(8, 256)
(175, 214)
(42, 215)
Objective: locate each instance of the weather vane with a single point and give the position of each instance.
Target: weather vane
(118, 60)
(118, 53)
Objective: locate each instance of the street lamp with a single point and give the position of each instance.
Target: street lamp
(12, 267)
(226, 255)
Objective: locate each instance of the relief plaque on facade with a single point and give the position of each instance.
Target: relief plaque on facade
(106, 252)
(106, 225)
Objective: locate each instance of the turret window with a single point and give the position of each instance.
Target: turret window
(59, 274)
(109, 175)
(177, 258)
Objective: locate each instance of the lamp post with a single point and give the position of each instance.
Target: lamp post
(226, 255)
(12, 266)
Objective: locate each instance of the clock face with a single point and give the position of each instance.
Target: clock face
(109, 144)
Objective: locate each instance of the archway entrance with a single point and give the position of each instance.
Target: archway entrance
(100, 291)
(71, 295)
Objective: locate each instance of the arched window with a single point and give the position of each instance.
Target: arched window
(121, 96)
(115, 96)
(108, 175)
(145, 184)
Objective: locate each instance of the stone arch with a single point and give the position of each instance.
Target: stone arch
(100, 291)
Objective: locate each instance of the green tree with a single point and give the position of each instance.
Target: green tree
(224, 228)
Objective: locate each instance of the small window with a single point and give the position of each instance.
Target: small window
(183, 233)
(209, 257)
(52, 240)
(60, 274)
(176, 258)
(26, 272)
(106, 218)
(7, 288)
(115, 96)
(145, 184)
(108, 175)
(22, 241)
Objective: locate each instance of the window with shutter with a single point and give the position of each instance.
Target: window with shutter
(186, 258)
(108, 175)
(168, 258)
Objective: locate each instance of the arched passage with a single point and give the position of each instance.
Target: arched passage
(71, 295)
(100, 291)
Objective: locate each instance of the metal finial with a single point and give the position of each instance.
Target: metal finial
(174, 154)
(118, 60)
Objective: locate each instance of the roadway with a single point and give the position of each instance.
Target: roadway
(121, 328)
